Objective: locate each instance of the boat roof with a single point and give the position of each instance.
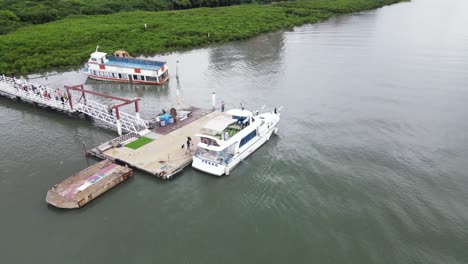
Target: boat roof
(219, 123)
(98, 54)
(134, 63)
(239, 112)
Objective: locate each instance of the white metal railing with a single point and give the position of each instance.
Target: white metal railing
(53, 98)
(125, 137)
(35, 93)
(123, 116)
(104, 116)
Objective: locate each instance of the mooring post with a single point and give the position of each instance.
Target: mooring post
(213, 100)
(137, 110)
(119, 125)
(83, 95)
(85, 149)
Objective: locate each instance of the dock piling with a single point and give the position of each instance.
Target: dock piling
(213, 100)
(85, 149)
(119, 127)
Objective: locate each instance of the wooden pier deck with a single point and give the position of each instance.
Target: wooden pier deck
(87, 184)
(164, 156)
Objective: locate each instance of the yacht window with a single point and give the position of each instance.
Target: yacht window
(247, 138)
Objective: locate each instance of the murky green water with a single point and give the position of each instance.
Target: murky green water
(370, 165)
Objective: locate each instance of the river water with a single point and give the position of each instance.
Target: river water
(370, 165)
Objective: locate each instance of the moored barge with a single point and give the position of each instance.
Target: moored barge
(87, 184)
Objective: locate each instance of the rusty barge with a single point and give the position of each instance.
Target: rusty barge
(86, 185)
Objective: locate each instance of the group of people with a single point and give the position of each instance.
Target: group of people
(41, 91)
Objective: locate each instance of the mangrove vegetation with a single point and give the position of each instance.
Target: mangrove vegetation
(43, 11)
(69, 41)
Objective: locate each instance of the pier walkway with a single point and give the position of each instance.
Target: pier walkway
(73, 100)
(32, 93)
(163, 156)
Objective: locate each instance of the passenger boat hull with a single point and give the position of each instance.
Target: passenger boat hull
(107, 79)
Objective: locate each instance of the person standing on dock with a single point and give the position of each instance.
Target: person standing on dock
(188, 150)
(222, 106)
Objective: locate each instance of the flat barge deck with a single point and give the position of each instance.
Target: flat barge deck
(87, 184)
(162, 157)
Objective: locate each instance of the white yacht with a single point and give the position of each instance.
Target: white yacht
(231, 137)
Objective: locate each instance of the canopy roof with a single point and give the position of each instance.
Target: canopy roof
(219, 123)
(239, 112)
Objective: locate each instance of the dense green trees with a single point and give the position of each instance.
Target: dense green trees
(69, 41)
(43, 11)
(8, 21)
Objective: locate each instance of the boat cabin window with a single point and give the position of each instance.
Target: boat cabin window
(247, 138)
(149, 78)
(209, 141)
(121, 54)
(242, 121)
(138, 77)
(223, 157)
(93, 59)
(208, 154)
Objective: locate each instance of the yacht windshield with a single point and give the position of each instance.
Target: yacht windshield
(207, 154)
(224, 156)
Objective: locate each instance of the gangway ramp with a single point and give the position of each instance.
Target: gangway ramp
(73, 99)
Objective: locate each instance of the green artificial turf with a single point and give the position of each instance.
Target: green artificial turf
(139, 143)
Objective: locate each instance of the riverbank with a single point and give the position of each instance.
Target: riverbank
(68, 42)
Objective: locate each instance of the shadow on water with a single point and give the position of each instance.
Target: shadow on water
(124, 89)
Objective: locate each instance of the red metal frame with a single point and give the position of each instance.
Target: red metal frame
(81, 89)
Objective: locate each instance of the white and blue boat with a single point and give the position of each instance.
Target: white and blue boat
(123, 68)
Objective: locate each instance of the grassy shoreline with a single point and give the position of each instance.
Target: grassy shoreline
(68, 42)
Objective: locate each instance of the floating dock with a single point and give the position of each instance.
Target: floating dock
(161, 153)
(87, 184)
